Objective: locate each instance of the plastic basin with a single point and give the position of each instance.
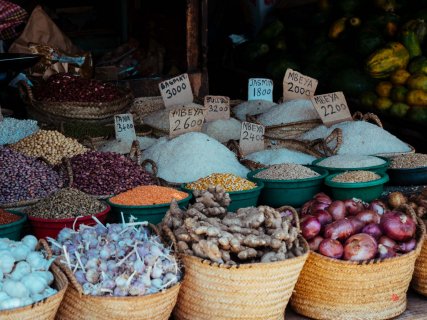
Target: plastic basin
(408, 177)
(366, 191)
(43, 228)
(153, 213)
(277, 193)
(239, 199)
(13, 231)
(381, 168)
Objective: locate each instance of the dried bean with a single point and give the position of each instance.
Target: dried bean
(356, 176)
(8, 217)
(409, 161)
(107, 173)
(66, 203)
(24, 178)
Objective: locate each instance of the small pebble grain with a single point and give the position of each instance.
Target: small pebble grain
(409, 161)
(356, 176)
(286, 171)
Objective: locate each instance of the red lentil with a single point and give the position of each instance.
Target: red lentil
(7, 217)
(148, 195)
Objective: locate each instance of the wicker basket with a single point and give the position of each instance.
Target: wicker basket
(57, 112)
(419, 279)
(45, 309)
(342, 290)
(247, 291)
(77, 306)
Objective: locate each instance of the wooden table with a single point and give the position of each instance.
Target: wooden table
(416, 310)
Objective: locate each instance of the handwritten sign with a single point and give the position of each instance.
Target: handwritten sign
(176, 91)
(298, 86)
(332, 108)
(218, 107)
(260, 89)
(124, 127)
(183, 120)
(251, 137)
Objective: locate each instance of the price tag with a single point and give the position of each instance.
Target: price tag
(332, 108)
(176, 91)
(251, 137)
(183, 120)
(260, 89)
(124, 127)
(218, 107)
(298, 86)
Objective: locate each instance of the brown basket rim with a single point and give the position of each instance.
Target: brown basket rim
(256, 265)
(421, 235)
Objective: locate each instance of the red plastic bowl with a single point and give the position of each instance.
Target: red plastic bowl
(43, 228)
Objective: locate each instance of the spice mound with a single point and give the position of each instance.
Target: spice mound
(12, 130)
(106, 173)
(350, 161)
(229, 182)
(286, 171)
(409, 161)
(8, 217)
(51, 145)
(148, 195)
(356, 176)
(66, 203)
(64, 87)
(23, 178)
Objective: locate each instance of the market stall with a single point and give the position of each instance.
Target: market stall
(289, 201)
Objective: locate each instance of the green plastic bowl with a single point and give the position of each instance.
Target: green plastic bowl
(153, 214)
(380, 169)
(13, 231)
(366, 191)
(277, 193)
(408, 177)
(239, 199)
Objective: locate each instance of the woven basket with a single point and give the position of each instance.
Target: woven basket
(419, 279)
(247, 291)
(78, 306)
(146, 105)
(45, 309)
(331, 289)
(84, 111)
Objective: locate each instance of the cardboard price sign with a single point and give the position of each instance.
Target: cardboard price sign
(332, 108)
(260, 89)
(218, 107)
(176, 91)
(124, 127)
(298, 86)
(251, 137)
(183, 120)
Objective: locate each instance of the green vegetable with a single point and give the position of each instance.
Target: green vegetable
(399, 109)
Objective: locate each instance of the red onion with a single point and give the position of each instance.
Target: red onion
(316, 206)
(386, 241)
(310, 227)
(385, 252)
(368, 216)
(398, 226)
(360, 247)
(340, 229)
(331, 248)
(323, 216)
(353, 206)
(357, 224)
(315, 242)
(373, 230)
(337, 210)
(322, 198)
(305, 210)
(378, 206)
(407, 246)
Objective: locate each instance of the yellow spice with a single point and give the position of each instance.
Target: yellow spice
(229, 182)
